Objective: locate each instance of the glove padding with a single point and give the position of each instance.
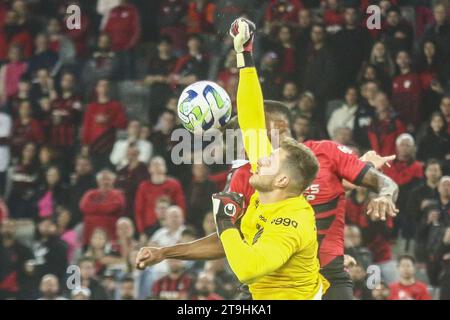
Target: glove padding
(227, 207)
(243, 30)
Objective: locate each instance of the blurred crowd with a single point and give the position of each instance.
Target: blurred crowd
(86, 117)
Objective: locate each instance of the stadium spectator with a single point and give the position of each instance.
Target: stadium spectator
(89, 280)
(201, 188)
(344, 116)
(102, 64)
(191, 67)
(159, 185)
(127, 288)
(125, 237)
(343, 136)
(208, 224)
(80, 294)
(10, 74)
(64, 225)
(50, 252)
(284, 11)
(101, 121)
(174, 286)
(445, 110)
(439, 30)
(204, 287)
(381, 292)
(16, 34)
(51, 193)
(407, 173)
(81, 181)
(124, 28)
(408, 288)
(102, 207)
(65, 120)
(302, 128)
(25, 129)
(119, 154)
(130, 177)
(443, 258)
(421, 196)
(406, 92)
(60, 43)
(200, 16)
(170, 21)
(354, 248)
(352, 45)
(433, 74)
(161, 135)
(435, 143)
(14, 256)
(287, 52)
(270, 78)
(24, 181)
(43, 57)
(319, 60)
(397, 33)
(385, 127)
(159, 68)
(381, 59)
(290, 94)
(102, 251)
(49, 288)
(170, 234)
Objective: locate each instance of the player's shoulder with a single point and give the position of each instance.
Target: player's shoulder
(326, 146)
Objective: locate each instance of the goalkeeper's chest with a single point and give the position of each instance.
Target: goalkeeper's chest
(253, 223)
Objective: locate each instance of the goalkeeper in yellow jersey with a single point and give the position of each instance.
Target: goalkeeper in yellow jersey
(275, 249)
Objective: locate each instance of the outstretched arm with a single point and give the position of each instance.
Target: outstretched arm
(250, 102)
(206, 248)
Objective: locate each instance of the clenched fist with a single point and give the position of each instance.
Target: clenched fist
(149, 256)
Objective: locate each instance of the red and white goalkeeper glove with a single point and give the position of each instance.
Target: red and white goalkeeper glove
(227, 207)
(243, 30)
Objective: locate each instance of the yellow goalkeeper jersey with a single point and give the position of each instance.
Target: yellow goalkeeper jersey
(277, 253)
(279, 257)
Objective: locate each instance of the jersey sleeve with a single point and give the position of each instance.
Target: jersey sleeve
(274, 247)
(250, 109)
(239, 183)
(347, 163)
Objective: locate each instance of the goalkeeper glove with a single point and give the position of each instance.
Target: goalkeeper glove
(243, 31)
(227, 207)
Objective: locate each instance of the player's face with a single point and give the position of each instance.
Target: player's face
(267, 169)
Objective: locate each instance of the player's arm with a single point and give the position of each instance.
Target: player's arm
(267, 253)
(387, 194)
(364, 174)
(206, 248)
(250, 102)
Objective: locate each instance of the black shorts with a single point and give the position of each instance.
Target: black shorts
(341, 286)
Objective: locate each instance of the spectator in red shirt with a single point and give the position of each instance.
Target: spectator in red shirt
(283, 11)
(332, 16)
(176, 285)
(14, 33)
(407, 172)
(124, 27)
(159, 185)
(406, 92)
(200, 16)
(102, 207)
(384, 128)
(101, 120)
(408, 288)
(25, 129)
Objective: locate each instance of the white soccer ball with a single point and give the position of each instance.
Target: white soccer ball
(204, 105)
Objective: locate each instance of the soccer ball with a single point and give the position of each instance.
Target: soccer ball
(204, 105)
